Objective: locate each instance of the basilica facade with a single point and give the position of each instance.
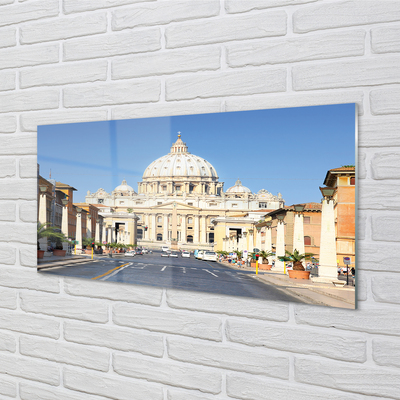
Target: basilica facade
(178, 202)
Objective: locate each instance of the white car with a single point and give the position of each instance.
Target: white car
(164, 248)
(185, 254)
(200, 254)
(130, 253)
(210, 256)
(145, 251)
(165, 253)
(173, 255)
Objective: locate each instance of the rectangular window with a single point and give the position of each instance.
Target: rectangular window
(190, 204)
(352, 181)
(159, 203)
(234, 205)
(307, 220)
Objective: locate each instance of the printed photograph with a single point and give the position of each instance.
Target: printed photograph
(256, 204)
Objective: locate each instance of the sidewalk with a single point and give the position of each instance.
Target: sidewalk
(324, 294)
(57, 261)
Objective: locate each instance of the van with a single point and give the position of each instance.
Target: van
(164, 248)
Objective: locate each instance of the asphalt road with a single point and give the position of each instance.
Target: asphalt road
(174, 273)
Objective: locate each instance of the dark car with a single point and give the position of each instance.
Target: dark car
(139, 252)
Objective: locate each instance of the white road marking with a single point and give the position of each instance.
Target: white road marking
(211, 273)
(115, 272)
(163, 268)
(184, 270)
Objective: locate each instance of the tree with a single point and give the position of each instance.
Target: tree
(49, 231)
(296, 258)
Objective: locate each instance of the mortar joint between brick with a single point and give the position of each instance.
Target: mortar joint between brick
(109, 21)
(222, 10)
(163, 40)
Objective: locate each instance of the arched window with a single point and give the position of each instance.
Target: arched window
(159, 220)
(159, 237)
(189, 239)
(307, 240)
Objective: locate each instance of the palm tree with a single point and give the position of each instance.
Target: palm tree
(296, 258)
(49, 231)
(265, 254)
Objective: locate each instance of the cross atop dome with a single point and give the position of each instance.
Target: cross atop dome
(179, 146)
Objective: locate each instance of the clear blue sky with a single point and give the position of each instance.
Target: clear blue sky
(281, 150)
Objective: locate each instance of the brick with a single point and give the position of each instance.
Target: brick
(344, 44)
(21, 278)
(7, 211)
(375, 320)
(255, 388)
(116, 93)
(219, 30)
(111, 386)
(128, 42)
(387, 126)
(27, 56)
(17, 144)
(28, 168)
(385, 101)
(8, 124)
(384, 288)
(225, 84)
(17, 232)
(179, 394)
(8, 342)
(62, 74)
(186, 323)
(71, 6)
(28, 256)
(357, 379)
(25, 367)
(7, 256)
(384, 226)
(18, 13)
(165, 109)
(114, 291)
(362, 170)
(7, 387)
(29, 391)
(346, 74)
(344, 13)
(282, 100)
(7, 80)
(8, 167)
(27, 100)
(210, 303)
(63, 28)
(4, 2)
(251, 334)
(386, 165)
(31, 120)
(385, 39)
(362, 222)
(362, 287)
(30, 324)
(386, 352)
(18, 189)
(389, 193)
(167, 62)
(8, 297)
(162, 13)
(237, 6)
(65, 353)
(114, 338)
(168, 372)
(378, 261)
(8, 37)
(229, 357)
(67, 307)
(28, 211)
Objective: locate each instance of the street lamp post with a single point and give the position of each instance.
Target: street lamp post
(327, 271)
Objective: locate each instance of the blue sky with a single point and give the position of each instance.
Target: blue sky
(281, 150)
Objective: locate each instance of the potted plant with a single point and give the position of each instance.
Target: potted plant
(59, 249)
(298, 271)
(265, 265)
(46, 230)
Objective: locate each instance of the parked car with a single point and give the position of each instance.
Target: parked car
(139, 252)
(164, 248)
(144, 251)
(200, 254)
(185, 254)
(130, 253)
(165, 253)
(173, 254)
(210, 256)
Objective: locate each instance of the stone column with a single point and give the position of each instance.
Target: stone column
(78, 235)
(89, 226)
(298, 233)
(203, 229)
(146, 223)
(153, 227)
(42, 205)
(280, 245)
(97, 234)
(165, 228)
(327, 270)
(183, 228)
(64, 218)
(104, 235)
(268, 239)
(258, 239)
(112, 233)
(196, 229)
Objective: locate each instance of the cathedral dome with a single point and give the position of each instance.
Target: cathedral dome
(238, 188)
(124, 187)
(180, 163)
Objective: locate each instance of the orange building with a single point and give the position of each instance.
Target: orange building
(91, 211)
(343, 180)
(69, 197)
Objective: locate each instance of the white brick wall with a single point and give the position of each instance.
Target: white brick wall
(87, 60)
